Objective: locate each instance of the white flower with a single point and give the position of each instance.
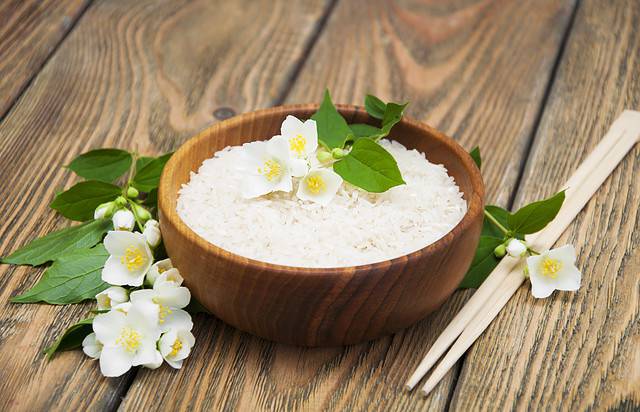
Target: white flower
(175, 346)
(130, 258)
(91, 346)
(302, 139)
(157, 269)
(516, 248)
(128, 339)
(268, 168)
(319, 185)
(111, 297)
(553, 270)
(170, 299)
(123, 220)
(152, 234)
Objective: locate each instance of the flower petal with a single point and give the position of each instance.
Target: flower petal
(291, 126)
(255, 186)
(146, 354)
(91, 347)
(117, 241)
(115, 361)
(178, 319)
(115, 272)
(566, 254)
(299, 167)
(175, 364)
(143, 295)
(569, 279)
(310, 132)
(173, 296)
(107, 326)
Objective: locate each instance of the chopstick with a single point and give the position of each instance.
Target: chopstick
(505, 279)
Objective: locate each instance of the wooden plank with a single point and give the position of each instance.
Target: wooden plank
(142, 75)
(480, 79)
(576, 351)
(29, 32)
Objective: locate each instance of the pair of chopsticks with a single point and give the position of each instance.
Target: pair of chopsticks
(506, 278)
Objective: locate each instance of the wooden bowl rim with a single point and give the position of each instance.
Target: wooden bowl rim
(474, 209)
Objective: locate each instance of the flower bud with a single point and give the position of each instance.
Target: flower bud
(500, 251)
(516, 248)
(156, 270)
(104, 210)
(152, 235)
(132, 192)
(338, 153)
(111, 297)
(121, 201)
(151, 222)
(142, 213)
(323, 156)
(123, 220)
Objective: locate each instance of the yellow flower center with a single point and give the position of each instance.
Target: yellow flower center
(129, 339)
(163, 312)
(272, 170)
(175, 348)
(297, 144)
(134, 258)
(107, 301)
(550, 267)
(315, 184)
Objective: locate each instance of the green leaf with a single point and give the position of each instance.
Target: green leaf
(148, 176)
(535, 216)
(72, 338)
(333, 130)
(143, 161)
(71, 278)
(59, 243)
(483, 262)
(370, 167)
(152, 198)
(475, 155)
(105, 165)
(374, 106)
(364, 130)
(81, 200)
(392, 115)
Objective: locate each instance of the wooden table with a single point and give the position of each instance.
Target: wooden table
(535, 83)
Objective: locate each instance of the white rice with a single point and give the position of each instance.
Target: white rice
(355, 228)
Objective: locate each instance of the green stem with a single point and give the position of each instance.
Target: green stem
(493, 220)
(135, 215)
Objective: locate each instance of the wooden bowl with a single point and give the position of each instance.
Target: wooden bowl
(315, 306)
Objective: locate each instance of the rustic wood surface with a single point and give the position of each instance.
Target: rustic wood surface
(30, 30)
(147, 75)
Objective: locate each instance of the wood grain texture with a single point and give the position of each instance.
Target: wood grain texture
(576, 351)
(477, 71)
(319, 306)
(29, 32)
(145, 75)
